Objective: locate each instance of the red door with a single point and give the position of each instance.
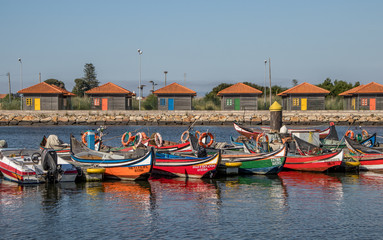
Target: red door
(372, 104)
(104, 104)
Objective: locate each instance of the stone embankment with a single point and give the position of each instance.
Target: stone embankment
(11, 118)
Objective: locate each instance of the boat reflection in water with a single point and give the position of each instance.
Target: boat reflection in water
(316, 189)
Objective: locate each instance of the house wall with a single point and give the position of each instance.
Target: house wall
(246, 102)
(181, 102)
(47, 101)
(115, 102)
(363, 101)
(294, 102)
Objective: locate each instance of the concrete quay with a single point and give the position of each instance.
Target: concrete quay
(88, 117)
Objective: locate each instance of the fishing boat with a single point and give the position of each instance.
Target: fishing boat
(314, 163)
(54, 143)
(370, 161)
(31, 166)
(118, 165)
(258, 163)
(364, 147)
(186, 166)
(253, 133)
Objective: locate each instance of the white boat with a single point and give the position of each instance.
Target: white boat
(33, 166)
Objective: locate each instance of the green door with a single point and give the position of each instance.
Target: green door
(237, 104)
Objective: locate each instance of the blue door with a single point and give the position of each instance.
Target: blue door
(170, 104)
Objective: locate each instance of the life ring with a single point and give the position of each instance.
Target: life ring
(203, 136)
(364, 134)
(185, 136)
(144, 136)
(197, 134)
(126, 143)
(138, 139)
(351, 133)
(96, 137)
(158, 139)
(259, 137)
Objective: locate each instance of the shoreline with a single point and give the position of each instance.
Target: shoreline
(156, 118)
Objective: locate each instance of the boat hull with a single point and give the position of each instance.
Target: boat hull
(186, 167)
(317, 163)
(370, 162)
(267, 163)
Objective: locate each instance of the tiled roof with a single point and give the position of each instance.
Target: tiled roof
(304, 88)
(239, 88)
(175, 88)
(372, 87)
(44, 87)
(109, 88)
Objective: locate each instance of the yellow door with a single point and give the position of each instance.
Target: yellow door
(37, 103)
(303, 104)
(353, 104)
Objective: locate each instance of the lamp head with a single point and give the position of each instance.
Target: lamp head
(19, 59)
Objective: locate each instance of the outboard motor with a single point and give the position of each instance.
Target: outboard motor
(49, 164)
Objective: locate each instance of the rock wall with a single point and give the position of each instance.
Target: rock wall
(8, 118)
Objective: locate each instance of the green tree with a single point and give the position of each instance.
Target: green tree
(55, 82)
(212, 95)
(150, 102)
(90, 75)
(80, 87)
(295, 82)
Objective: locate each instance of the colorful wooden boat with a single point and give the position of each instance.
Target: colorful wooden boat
(135, 165)
(31, 166)
(365, 147)
(253, 133)
(314, 163)
(262, 163)
(186, 166)
(54, 143)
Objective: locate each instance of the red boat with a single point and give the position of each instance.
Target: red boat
(252, 133)
(316, 163)
(186, 166)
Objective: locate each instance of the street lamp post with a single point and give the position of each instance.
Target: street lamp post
(166, 72)
(265, 85)
(21, 83)
(270, 78)
(139, 83)
(153, 84)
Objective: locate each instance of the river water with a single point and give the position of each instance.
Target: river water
(292, 205)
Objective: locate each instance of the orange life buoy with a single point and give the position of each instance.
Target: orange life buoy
(183, 138)
(83, 137)
(158, 139)
(144, 136)
(365, 134)
(259, 137)
(351, 133)
(197, 134)
(203, 136)
(138, 139)
(126, 143)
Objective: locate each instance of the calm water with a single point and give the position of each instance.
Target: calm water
(292, 205)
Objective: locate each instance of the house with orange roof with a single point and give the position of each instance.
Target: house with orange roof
(175, 97)
(110, 96)
(304, 96)
(44, 96)
(239, 97)
(364, 97)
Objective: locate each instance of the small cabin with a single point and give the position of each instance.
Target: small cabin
(110, 96)
(239, 97)
(175, 97)
(364, 97)
(304, 96)
(44, 96)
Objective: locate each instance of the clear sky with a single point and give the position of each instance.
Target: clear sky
(211, 41)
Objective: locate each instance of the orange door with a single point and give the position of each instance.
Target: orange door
(104, 104)
(372, 104)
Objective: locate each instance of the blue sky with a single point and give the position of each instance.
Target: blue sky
(211, 41)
